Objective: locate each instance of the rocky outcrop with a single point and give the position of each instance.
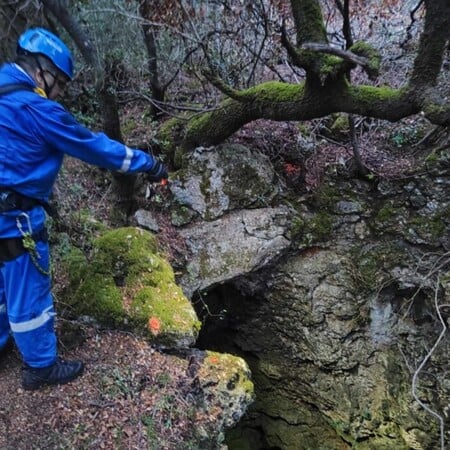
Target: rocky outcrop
(216, 180)
(238, 243)
(333, 298)
(126, 282)
(221, 204)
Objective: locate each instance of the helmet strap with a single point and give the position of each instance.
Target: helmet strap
(47, 88)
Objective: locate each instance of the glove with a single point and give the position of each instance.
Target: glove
(158, 172)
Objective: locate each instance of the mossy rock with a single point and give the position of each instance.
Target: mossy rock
(225, 379)
(128, 282)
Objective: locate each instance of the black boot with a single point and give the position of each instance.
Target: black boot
(59, 373)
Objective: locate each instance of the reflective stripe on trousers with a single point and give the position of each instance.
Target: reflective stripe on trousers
(25, 296)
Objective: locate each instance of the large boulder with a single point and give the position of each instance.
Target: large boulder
(215, 181)
(127, 282)
(222, 390)
(233, 246)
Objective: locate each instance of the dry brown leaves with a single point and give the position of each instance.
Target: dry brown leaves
(130, 396)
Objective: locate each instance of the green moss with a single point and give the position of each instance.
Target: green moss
(430, 227)
(232, 369)
(166, 303)
(373, 95)
(125, 252)
(326, 197)
(362, 48)
(298, 226)
(370, 266)
(385, 213)
(256, 186)
(310, 25)
(169, 137)
(99, 297)
(433, 109)
(329, 64)
(181, 215)
(199, 122)
(320, 226)
(389, 218)
(432, 158)
(275, 91)
(76, 264)
(437, 161)
(340, 126)
(127, 280)
(342, 429)
(90, 293)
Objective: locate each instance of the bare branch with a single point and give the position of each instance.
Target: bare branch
(345, 55)
(226, 89)
(425, 360)
(291, 50)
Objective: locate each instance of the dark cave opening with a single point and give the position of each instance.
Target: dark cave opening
(224, 311)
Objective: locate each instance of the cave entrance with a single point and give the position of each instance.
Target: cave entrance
(224, 311)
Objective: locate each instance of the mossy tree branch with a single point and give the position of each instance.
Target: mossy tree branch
(283, 102)
(327, 88)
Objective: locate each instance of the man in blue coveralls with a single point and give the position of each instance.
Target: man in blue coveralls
(35, 134)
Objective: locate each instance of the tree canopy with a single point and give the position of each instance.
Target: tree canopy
(327, 87)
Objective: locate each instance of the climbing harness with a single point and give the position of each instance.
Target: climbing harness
(11, 200)
(11, 248)
(29, 242)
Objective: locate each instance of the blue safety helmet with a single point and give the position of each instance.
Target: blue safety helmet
(39, 40)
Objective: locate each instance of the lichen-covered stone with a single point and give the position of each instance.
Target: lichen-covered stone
(223, 390)
(128, 282)
(215, 181)
(235, 244)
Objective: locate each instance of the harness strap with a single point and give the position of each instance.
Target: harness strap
(11, 201)
(7, 88)
(11, 248)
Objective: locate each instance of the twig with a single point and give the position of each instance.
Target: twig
(425, 360)
(344, 54)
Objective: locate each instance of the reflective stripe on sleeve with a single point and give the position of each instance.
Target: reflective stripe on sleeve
(126, 163)
(32, 324)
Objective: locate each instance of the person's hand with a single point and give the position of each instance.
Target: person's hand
(158, 172)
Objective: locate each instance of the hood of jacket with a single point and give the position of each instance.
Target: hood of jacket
(12, 73)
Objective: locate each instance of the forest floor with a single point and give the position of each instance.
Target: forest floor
(129, 397)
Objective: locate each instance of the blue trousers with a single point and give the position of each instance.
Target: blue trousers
(26, 308)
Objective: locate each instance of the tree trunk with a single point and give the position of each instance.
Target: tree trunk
(122, 185)
(145, 9)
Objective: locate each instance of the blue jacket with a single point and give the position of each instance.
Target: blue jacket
(35, 134)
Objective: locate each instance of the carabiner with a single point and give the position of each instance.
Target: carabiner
(28, 223)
